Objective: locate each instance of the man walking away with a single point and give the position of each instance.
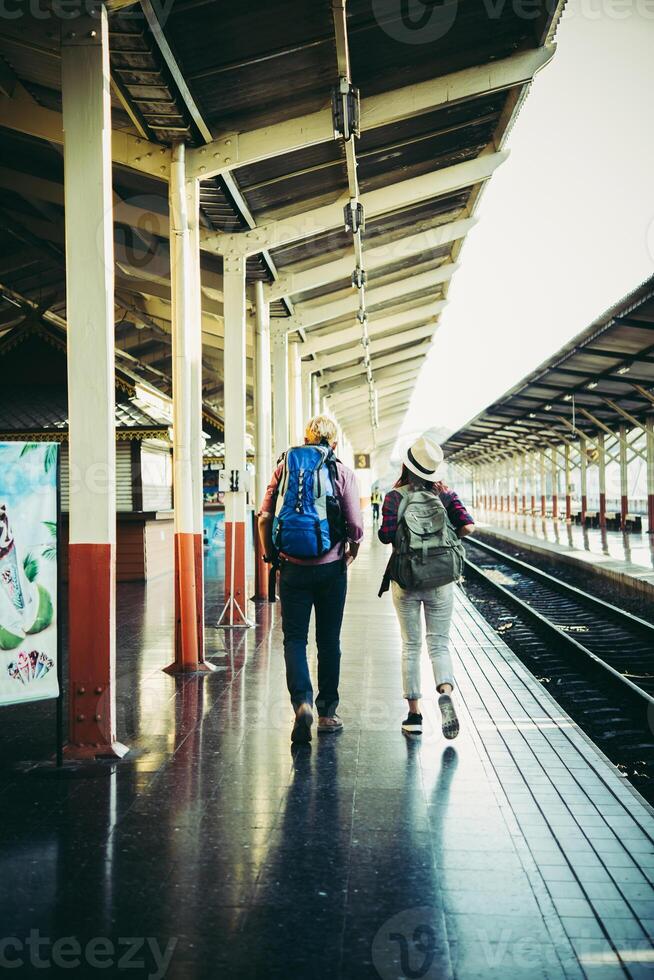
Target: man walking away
(311, 517)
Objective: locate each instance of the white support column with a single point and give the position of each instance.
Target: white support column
(295, 393)
(188, 445)
(197, 438)
(316, 403)
(601, 465)
(235, 612)
(568, 486)
(649, 456)
(624, 477)
(85, 76)
(583, 478)
(543, 484)
(307, 393)
(279, 347)
(263, 419)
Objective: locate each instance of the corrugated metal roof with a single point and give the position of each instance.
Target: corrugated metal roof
(612, 360)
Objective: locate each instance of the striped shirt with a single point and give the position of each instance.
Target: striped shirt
(456, 512)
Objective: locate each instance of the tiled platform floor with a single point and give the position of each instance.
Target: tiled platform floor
(514, 852)
(625, 557)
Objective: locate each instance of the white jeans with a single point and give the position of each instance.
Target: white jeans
(437, 604)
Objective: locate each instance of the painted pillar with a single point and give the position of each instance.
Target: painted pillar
(523, 481)
(507, 471)
(197, 439)
(263, 421)
(295, 392)
(91, 387)
(185, 355)
(532, 480)
(583, 477)
(601, 464)
(497, 487)
(516, 482)
(235, 450)
(568, 496)
(315, 395)
(649, 436)
(307, 394)
(624, 477)
(279, 338)
(555, 483)
(543, 484)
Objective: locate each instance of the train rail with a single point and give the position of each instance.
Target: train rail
(596, 659)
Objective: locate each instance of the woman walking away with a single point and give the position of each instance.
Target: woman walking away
(424, 520)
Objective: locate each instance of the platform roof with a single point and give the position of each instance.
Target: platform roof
(601, 379)
(249, 80)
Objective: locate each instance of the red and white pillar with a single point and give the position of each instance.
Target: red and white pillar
(624, 477)
(583, 477)
(279, 347)
(568, 484)
(236, 592)
(532, 481)
(263, 420)
(187, 417)
(601, 465)
(91, 388)
(543, 484)
(649, 436)
(555, 484)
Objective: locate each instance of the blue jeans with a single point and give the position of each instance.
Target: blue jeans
(301, 589)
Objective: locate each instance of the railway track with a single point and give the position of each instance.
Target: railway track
(596, 659)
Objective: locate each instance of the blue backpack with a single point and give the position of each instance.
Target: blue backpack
(308, 521)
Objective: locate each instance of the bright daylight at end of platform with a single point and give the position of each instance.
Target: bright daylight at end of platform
(327, 489)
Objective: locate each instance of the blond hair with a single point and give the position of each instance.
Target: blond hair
(318, 428)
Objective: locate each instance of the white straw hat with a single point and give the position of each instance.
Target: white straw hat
(424, 457)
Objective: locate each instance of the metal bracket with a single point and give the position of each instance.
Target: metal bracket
(346, 110)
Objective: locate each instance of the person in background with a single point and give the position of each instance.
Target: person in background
(318, 582)
(419, 474)
(375, 500)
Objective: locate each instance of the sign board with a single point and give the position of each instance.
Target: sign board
(362, 461)
(28, 571)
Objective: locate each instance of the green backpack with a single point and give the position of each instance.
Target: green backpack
(426, 550)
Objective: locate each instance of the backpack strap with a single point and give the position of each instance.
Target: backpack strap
(404, 502)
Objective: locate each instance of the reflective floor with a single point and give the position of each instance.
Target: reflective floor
(514, 852)
(629, 552)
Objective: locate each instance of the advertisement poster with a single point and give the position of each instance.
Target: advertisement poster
(28, 571)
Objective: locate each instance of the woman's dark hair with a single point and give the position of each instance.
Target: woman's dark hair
(407, 477)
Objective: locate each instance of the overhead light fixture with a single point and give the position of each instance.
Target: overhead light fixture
(591, 385)
(624, 369)
(567, 398)
(548, 408)
(532, 415)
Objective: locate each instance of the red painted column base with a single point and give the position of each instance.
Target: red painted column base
(189, 575)
(92, 625)
(624, 510)
(533, 504)
(543, 506)
(584, 508)
(602, 509)
(555, 506)
(235, 538)
(568, 507)
(650, 513)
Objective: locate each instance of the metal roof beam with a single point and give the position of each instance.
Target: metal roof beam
(231, 150)
(298, 227)
(334, 358)
(291, 282)
(397, 357)
(317, 343)
(127, 151)
(307, 315)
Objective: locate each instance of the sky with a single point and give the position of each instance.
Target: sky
(565, 226)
